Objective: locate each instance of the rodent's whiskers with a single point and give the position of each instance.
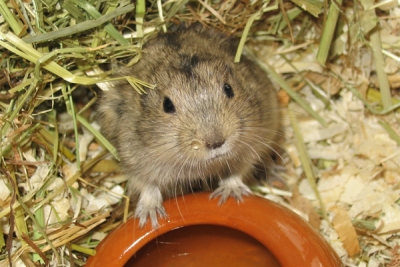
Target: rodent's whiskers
(254, 152)
(258, 138)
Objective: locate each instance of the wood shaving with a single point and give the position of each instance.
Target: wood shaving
(70, 190)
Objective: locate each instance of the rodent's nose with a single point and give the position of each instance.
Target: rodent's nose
(214, 145)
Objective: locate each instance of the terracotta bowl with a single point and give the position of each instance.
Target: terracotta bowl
(198, 232)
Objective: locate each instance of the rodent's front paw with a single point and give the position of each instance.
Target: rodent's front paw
(232, 186)
(149, 206)
(144, 212)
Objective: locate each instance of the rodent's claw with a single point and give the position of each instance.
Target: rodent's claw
(150, 205)
(232, 186)
(142, 213)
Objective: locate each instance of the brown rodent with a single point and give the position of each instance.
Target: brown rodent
(208, 118)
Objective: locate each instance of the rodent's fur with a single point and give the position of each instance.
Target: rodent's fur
(191, 126)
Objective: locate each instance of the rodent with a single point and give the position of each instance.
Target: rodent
(207, 118)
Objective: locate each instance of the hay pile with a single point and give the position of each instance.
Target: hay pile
(336, 62)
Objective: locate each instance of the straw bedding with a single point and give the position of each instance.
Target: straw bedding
(336, 64)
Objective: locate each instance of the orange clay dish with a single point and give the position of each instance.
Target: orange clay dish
(198, 232)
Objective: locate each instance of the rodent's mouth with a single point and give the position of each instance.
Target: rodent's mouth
(217, 153)
(216, 156)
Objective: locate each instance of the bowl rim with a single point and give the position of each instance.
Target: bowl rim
(291, 240)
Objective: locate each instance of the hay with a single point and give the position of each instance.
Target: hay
(60, 193)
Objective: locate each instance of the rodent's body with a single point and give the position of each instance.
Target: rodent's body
(207, 118)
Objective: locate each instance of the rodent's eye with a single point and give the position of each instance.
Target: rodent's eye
(228, 90)
(168, 105)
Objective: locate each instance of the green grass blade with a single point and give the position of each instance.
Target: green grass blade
(8, 16)
(81, 27)
(306, 163)
(328, 31)
(140, 13)
(109, 28)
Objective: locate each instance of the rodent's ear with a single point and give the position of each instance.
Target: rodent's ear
(114, 68)
(105, 66)
(118, 69)
(121, 70)
(185, 26)
(178, 27)
(197, 27)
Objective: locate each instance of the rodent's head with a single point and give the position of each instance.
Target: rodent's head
(204, 113)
